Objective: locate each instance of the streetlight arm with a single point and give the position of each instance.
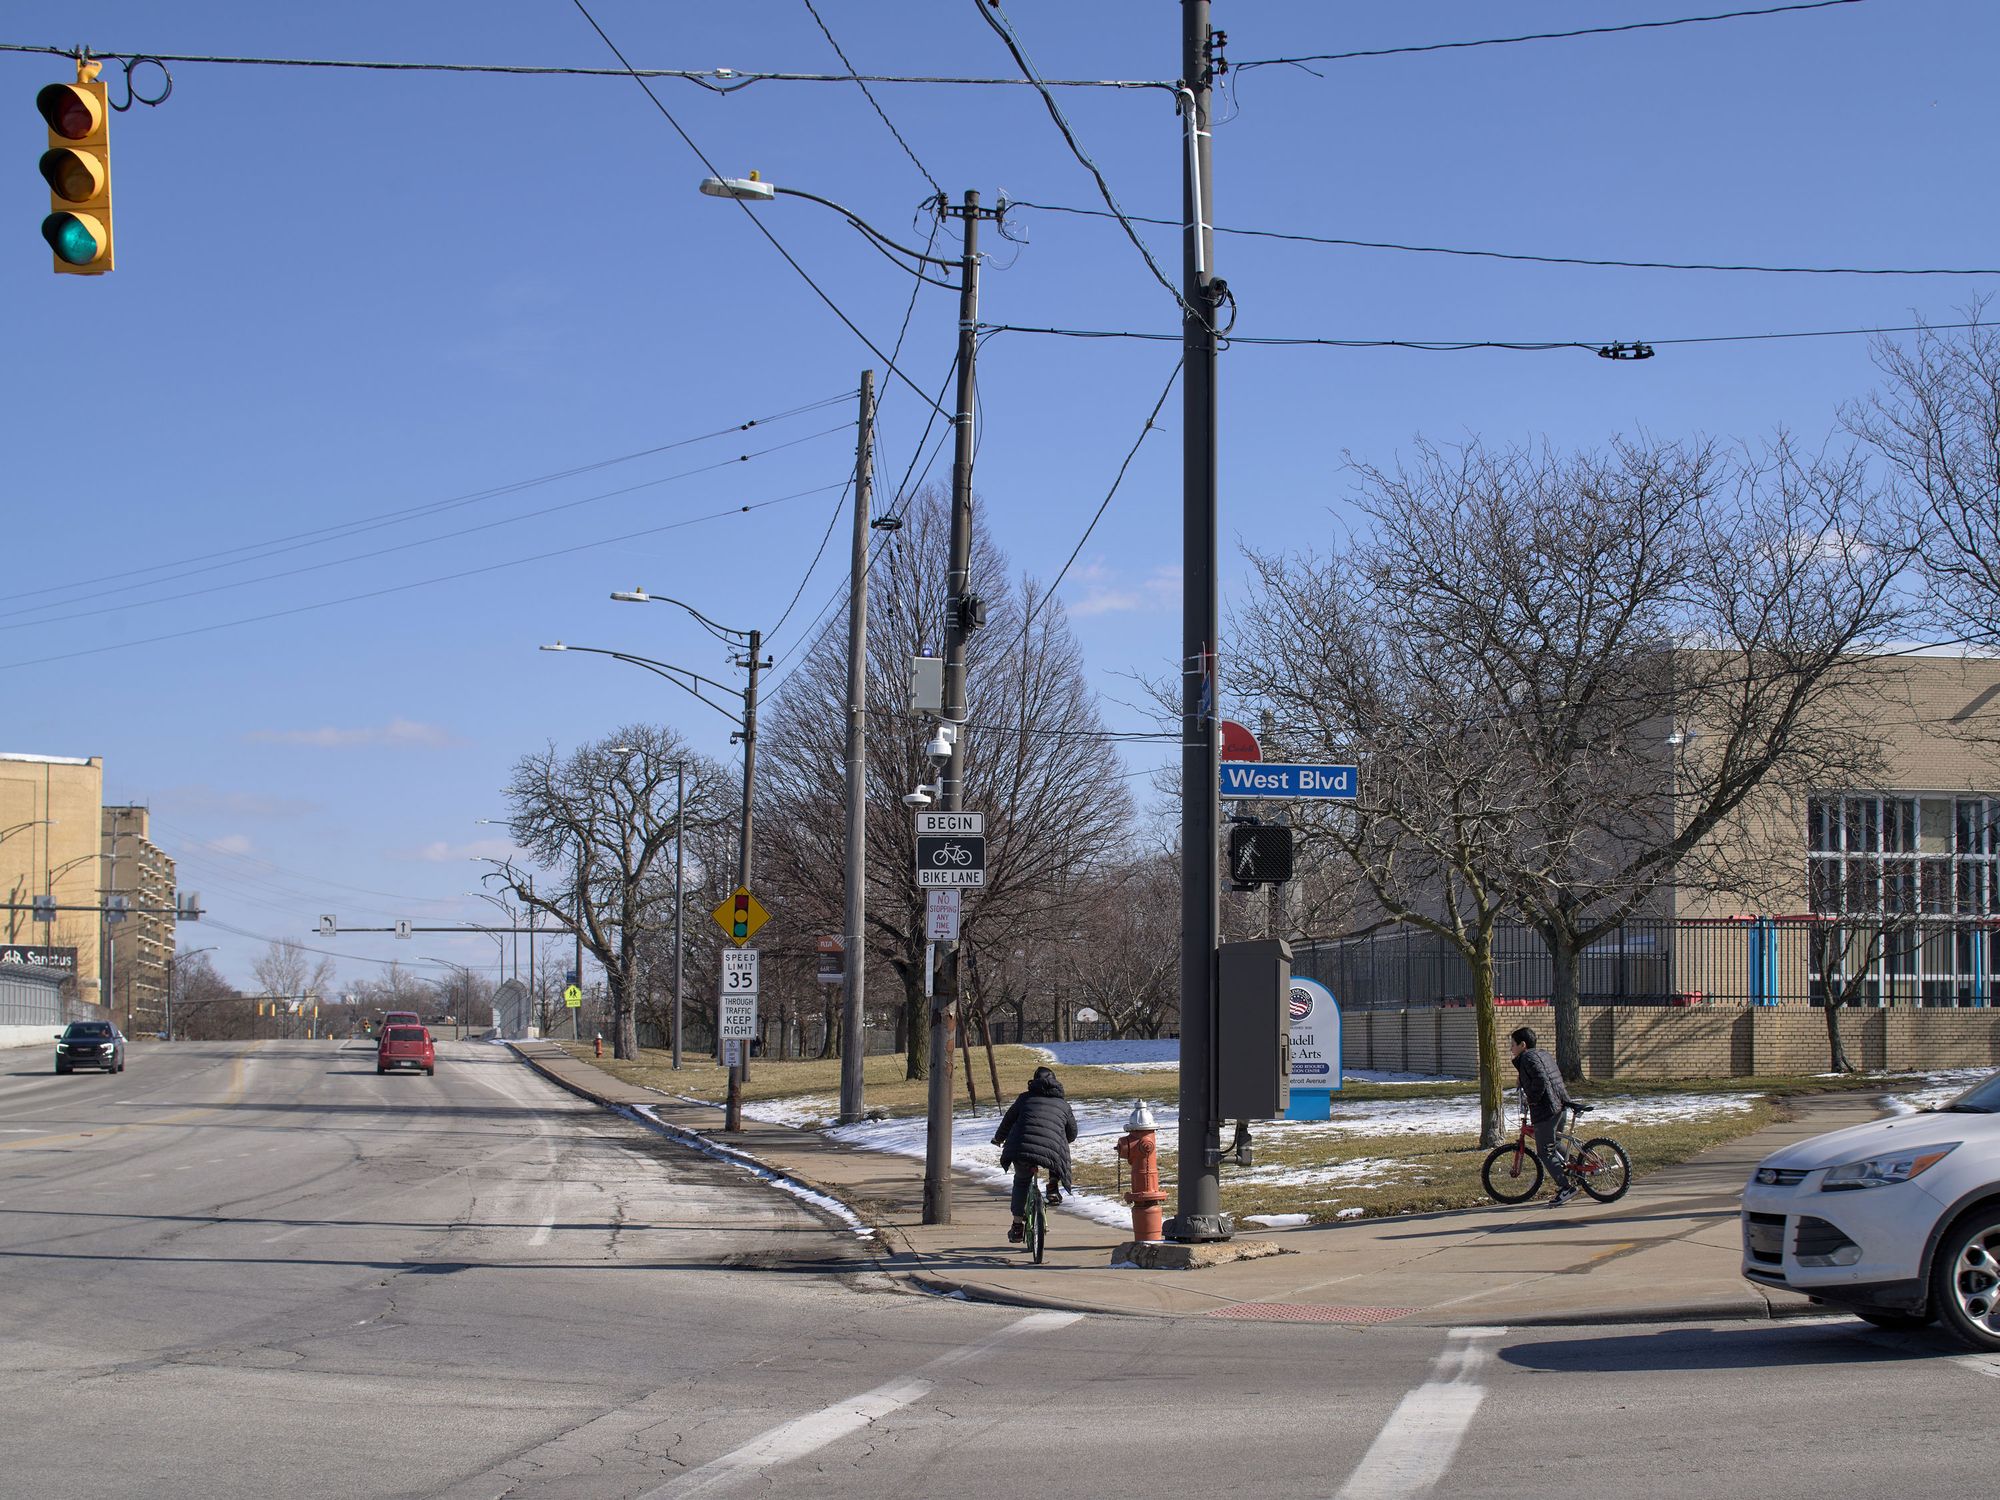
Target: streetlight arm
(721, 632)
(866, 228)
(666, 670)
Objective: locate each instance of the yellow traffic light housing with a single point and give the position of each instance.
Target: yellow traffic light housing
(77, 168)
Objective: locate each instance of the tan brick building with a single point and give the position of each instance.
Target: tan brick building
(142, 943)
(51, 820)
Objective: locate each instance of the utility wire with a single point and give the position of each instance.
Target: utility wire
(936, 186)
(340, 531)
(751, 215)
(1545, 260)
(420, 583)
(1105, 503)
(716, 80)
(896, 352)
(1539, 36)
(993, 16)
(335, 562)
(1459, 345)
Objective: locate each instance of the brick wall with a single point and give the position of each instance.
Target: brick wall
(1711, 1041)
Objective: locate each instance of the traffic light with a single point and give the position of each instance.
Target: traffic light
(1260, 854)
(739, 917)
(77, 167)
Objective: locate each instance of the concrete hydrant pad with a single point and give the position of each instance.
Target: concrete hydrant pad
(1165, 1255)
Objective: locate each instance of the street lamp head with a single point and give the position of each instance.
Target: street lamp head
(632, 596)
(750, 188)
(558, 646)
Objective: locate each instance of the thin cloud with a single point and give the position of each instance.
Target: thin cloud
(1106, 596)
(397, 734)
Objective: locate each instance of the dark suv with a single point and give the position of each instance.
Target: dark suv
(90, 1044)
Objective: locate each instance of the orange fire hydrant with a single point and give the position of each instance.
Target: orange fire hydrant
(600, 1044)
(1139, 1148)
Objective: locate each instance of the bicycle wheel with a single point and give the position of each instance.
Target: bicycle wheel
(1512, 1174)
(1037, 1222)
(1602, 1169)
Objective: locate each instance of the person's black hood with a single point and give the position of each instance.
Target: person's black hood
(1046, 1084)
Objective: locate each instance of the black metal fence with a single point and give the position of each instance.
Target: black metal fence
(1716, 961)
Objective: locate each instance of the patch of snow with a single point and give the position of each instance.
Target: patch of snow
(1117, 1054)
(1936, 1088)
(1350, 1213)
(800, 1111)
(1278, 1221)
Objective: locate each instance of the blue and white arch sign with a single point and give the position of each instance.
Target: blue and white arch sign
(1315, 1017)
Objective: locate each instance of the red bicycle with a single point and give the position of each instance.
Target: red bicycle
(1513, 1174)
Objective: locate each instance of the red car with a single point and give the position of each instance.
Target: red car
(406, 1047)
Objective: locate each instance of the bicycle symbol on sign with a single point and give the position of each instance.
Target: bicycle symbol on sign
(952, 854)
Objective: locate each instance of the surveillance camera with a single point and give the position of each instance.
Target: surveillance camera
(921, 797)
(939, 749)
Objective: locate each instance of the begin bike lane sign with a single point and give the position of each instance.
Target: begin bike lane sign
(951, 850)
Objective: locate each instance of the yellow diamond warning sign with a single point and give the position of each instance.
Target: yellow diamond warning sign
(740, 916)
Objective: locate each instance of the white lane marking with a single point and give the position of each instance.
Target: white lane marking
(1414, 1449)
(813, 1431)
(541, 1235)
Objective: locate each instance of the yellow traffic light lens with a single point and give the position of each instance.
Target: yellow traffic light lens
(71, 112)
(77, 239)
(73, 176)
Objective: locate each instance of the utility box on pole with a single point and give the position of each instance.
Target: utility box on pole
(1253, 1042)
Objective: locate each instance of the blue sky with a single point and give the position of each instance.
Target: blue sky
(341, 295)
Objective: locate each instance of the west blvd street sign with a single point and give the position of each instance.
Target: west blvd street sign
(1246, 780)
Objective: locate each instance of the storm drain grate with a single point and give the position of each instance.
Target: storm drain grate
(1309, 1312)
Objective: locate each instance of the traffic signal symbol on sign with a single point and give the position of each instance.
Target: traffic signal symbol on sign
(740, 915)
(77, 168)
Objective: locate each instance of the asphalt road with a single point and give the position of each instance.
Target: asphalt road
(264, 1271)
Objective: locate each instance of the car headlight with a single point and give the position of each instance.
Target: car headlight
(62, 1046)
(1881, 1171)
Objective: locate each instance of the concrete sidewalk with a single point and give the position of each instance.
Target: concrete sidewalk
(1667, 1251)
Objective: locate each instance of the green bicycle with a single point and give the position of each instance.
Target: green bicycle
(1034, 1221)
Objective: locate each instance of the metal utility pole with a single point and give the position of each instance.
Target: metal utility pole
(680, 868)
(534, 977)
(732, 1116)
(1198, 1213)
(582, 896)
(853, 1038)
(962, 613)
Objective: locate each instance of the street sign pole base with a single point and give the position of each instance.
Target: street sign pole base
(1200, 1229)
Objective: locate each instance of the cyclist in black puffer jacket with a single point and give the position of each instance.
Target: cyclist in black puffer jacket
(1034, 1135)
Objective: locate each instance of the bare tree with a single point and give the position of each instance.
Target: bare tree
(1122, 956)
(287, 971)
(1617, 601)
(1936, 423)
(206, 1007)
(1344, 670)
(599, 824)
(1037, 763)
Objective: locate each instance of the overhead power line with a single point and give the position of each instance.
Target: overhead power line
(868, 94)
(755, 219)
(1607, 348)
(380, 552)
(341, 530)
(1540, 36)
(716, 80)
(1545, 260)
(419, 583)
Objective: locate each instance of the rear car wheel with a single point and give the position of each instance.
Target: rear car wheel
(1965, 1280)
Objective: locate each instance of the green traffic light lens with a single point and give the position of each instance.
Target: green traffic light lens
(73, 243)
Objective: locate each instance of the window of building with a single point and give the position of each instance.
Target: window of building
(1918, 876)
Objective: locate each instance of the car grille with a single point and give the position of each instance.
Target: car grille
(1781, 1176)
(1764, 1238)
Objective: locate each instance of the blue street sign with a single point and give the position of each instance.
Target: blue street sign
(1242, 779)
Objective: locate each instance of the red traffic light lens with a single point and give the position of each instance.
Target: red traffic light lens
(71, 113)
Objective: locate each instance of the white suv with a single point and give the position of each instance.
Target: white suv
(1897, 1220)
